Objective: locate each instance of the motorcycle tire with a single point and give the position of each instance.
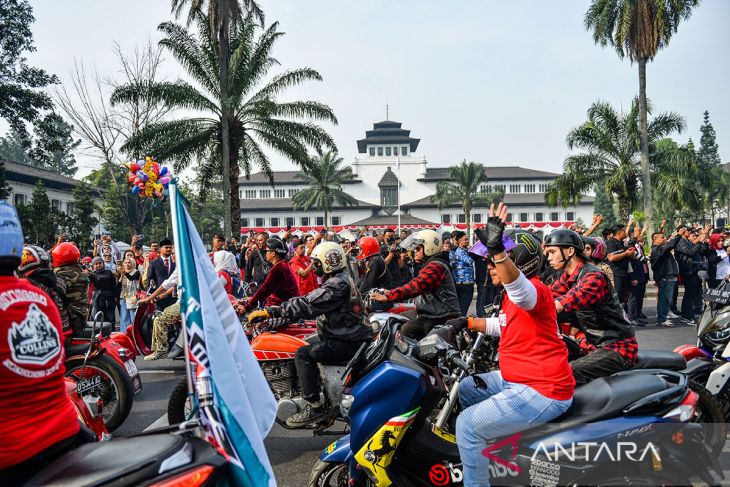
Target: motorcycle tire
(710, 414)
(328, 474)
(178, 408)
(116, 384)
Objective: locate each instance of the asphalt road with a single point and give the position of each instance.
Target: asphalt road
(293, 453)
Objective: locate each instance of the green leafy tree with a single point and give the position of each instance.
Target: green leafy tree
(83, 217)
(708, 154)
(206, 212)
(611, 153)
(638, 29)
(54, 145)
(604, 205)
(325, 176)
(463, 187)
(22, 99)
(4, 186)
(679, 180)
(258, 117)
(39, 231)
(13, 148)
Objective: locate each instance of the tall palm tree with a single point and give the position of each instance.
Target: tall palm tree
(325, 176)
(257, 117)
(463, 187)
(610, 141)
(222, 14)
(638, 28)
(680, 182)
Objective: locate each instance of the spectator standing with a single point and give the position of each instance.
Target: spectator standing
(463, 267)
(684, 252)
(106, 239)
(129, 284)
(391, 255)
(665, 269)
(159, 271)
(257, 268)
(618, 258)
(106, 291)
(352, 264)
(638, 278)
(718, 264)
(303, 268)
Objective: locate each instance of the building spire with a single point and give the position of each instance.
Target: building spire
(387, 111)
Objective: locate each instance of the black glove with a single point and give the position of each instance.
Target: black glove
(457, 323)
(275, 311)
(494, 231)
(275, 323)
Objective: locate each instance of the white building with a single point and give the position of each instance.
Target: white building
(387, 155)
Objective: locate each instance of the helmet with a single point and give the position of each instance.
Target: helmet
(527, 255)
(428, 238)
(329, 256)
(11, 235)
(368, 246)
(33, 257)
(277, 246)
(564, 238)
(599, 249)
(65, 253)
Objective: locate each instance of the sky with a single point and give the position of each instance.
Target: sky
(500, 83)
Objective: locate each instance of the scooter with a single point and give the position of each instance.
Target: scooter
(393, 440)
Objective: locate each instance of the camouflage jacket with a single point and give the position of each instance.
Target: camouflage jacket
(77, 293)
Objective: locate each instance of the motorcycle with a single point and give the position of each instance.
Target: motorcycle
(394, 441)
(97, 372)
(88, 409)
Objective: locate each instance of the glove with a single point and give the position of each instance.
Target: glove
(275, 323)
(494, 231)
(275, 311)
(257, 315)
(457, 323)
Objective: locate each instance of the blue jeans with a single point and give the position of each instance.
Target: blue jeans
(126, 316)
(497, 409)
(664, 299)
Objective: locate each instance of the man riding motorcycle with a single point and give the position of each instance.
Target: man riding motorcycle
(342, 325)
(584, 291)
(377, 275)
(433, 287)
(39, 420)
(534, 383)
(280, 283)
(67, 269)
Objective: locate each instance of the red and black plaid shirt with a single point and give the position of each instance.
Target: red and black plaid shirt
(428, 279)
(591, 289)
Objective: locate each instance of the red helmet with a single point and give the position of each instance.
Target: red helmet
(65, 253)
(368, 246)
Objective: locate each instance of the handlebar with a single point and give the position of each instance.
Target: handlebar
(453, 356)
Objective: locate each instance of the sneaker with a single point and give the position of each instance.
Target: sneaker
(643, 316)
(689, 322)
(665, 324)
(672, 315)
(175, 352)
(155, 356)
(306, 416)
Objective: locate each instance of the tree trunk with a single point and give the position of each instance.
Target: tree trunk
(467, 214)
(234, 208)
(644, 145)
(326, 217)
(230, 219)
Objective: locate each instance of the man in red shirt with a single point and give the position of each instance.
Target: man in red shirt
(280, 284)
(534, 383)
(39, 422)
(302, 266)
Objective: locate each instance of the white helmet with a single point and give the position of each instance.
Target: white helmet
(329, 256)
(428, 238)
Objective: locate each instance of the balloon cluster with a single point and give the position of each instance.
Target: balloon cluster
(148, 179)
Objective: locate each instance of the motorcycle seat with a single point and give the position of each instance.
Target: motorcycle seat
(660, 359)
(134, 459)
(76, 349)
(105, 328)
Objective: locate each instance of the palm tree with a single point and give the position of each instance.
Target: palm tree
(325, 176)
(257, 117)
(463, 187)
(222, 14)
(680, 182)
(611, 152)
(638, 28)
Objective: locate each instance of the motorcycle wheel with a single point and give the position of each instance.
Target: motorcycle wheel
(180, 405)
(327, 474)
(710, 414)
(117, 391)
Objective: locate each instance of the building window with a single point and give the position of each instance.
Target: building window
(292, 192)
(305, 221)
(19, 199)
(274, 222)
(320, 221)
(570, 216)
(388, 196)
(485, 188)
(387, 151)
(543, 188)
(538, 217)
(500, 188)
(404, 150)
(279, 193)
(56, 205)
(372, 152)
(509, 217)
(240, 193)
(529, 188)
(259, 222)
(380, 151)
(395, 151)
(290, 221)
(476, 218)
(244, 222)
(554, 216)
(523, 217)
(445, 218)
(265, 193)
(250, 194)
(515, 188)
(462, 218)
(335, 220)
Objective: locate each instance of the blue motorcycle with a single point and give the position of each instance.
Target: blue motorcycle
(632, 427)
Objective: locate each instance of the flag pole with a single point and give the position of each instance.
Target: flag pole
(176, 239)
(397, 168)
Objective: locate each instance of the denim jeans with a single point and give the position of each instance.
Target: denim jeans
(465, 294)
(126, 316)
(492, 409)
(664, 299)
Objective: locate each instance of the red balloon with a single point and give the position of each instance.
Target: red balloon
(131, 178)
(134, 168)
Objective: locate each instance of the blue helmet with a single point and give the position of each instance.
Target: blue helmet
(11, 234)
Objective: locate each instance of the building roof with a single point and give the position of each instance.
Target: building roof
(435, 174)
(520, 199)
(392, 220)
(389, 179)
(281, 178)
(387, 132)
(283, 204)
(25, 173)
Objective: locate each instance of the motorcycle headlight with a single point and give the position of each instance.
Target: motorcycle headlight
(346, 404)
(719, 337)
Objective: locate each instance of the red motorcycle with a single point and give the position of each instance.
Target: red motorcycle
(88, 409)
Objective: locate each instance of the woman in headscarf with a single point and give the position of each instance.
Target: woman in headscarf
(227, 270)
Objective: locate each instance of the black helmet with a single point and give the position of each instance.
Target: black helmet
(588, 241)
(527, 256)
(277, 246)
(564, 238)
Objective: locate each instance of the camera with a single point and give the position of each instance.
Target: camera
(354, 251)
(140, 237)
(391, 240)
(323, 232)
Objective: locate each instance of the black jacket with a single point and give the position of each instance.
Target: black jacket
(157, 272)
(256, 268)
(685, 253)
(377, 275)
(663, 263)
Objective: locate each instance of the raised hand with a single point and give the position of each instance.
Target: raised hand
(495, 228)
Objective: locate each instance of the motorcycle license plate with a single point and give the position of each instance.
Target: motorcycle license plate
(719, 296)
(131, 368)
(89, 386)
